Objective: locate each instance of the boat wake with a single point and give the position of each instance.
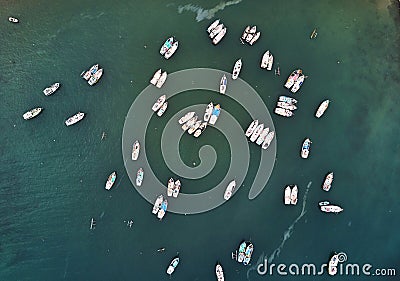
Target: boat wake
(286, 235)
(202, 13)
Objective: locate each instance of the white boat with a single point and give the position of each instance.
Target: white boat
(186, 117)
(135, 150)
(13, 20)
(32, 113)
(245, 32)
(162, 79)
(283, 112)
(305, 149)
(219, 272)
(74, 119)
(268, 140)
(215, 114)
(298, 83)
(189, 123)
(329, 208)
(253, 30)
(216, 30)
(287, 99)
(160, 101)
(170, 187)
(139, 177)
(222, 84)
(219, 36)
(251, 128)
(288, 192)
(177, 188)
(229, 190)
(262, 136)
(157, 204)
(293, 195)
(95, 77)
(242, 250)
(167, 45)
(194, 127)
(332, 265)
(163, 209)
(257, 132)
(248, 253)
(251, 34)
(255, 38)
(213, 25)
(174, 263)
(111, 180)
(200, 129)
(286, 105)
(264, 60)
(314, 34)
(156, 76)
(92, 70)
(321, 109)
(162, 109)
(271, 62)
(236, 69)
(172, 50)
(208, 112)
(51, 90)
(292, 78)
(328, 182)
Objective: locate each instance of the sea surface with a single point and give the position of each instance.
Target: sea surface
(53, 176)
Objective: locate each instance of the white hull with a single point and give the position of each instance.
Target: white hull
(283, 112)
(156, 76)
(292, 78)
(288, 191)
(305, 149)
(262, 136)
(139, 177)
(322, 108)
(111, 180)
(257, 132)
(268, 140)
(251, 128)
(208, 111)
(215, 114)
(216, 30)
(135, 150)
(236, 69)
(157, 204)
(52, 89)
(168, 44)
(74, 119)
(298, 84)
(264, 60)
(172, 51)
(287, 100)
(160, 101)
(293, 195)
(328, 182)
(245, 32)
(189, 123)
(219, 36)
(186, 117)
(162, 80)
(194, 127)
(286, 105)
(229, 190)
(32, 113)
(255, 38)
(170, 187)
(222, 85)
(219, 272)
(213, 25)
(162, 110)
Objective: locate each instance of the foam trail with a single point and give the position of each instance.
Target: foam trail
(286, 235)
(66, 266)
(202, 14)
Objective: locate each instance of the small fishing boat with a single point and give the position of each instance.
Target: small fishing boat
(236, 69)
(286, 105)
(262, 136)
(177, 188)
(268, 140)
(305, 149)
(111, 180)
(322, 108)
(174, 263)
(255, 38)
(194, 127)
(229, 190)
(215, 114)
(32, 113)
(135, 150)
(283, 112)
(208, 112)
(287, 99)
(156, 76)
(13, 20)
(189, 123)
(166, 46)
(257, 132)
(157, 204)
(162, 109)
(162, 79)
(170, 187)
(74, 119)
(253, 125)
(52, 89)
(139, 177)
(293, 195)
(163, 209)
(288, 192)
(186, 117)
(298, 83)
(313, 34)
(172, 50)
(160, 101)
(328, 182)
(222, 84)
(219, 36)
(245, 32)
(219, 272)
(212, 26)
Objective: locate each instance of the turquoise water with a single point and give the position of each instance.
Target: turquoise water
(53, 176)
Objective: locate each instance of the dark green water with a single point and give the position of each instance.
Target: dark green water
(53, 176)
